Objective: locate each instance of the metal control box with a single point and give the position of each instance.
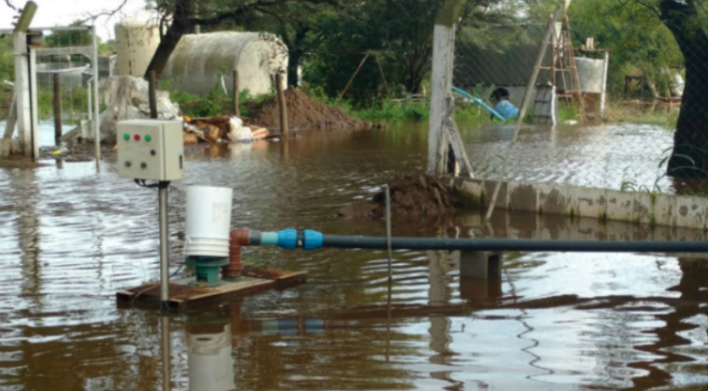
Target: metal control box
(150, 149)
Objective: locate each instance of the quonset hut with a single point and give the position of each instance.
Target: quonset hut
(200, 61)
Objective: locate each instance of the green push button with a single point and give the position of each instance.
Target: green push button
(148, 138)
(126, 136)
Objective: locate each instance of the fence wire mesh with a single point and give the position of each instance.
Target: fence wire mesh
(63, 54)
(7, 76)
(623, 144)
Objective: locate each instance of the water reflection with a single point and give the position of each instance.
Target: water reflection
(439, 294)
(682, 341)
(211, 366)
(69, 239)
(166, 350)
(28, 230)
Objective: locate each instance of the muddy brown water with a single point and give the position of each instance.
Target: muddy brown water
(70, 238)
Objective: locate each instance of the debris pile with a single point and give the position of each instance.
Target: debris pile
(304, 113)
(413, 195)
(220, 129)
(126, 97)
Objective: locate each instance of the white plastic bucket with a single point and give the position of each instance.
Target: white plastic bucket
(208, 221)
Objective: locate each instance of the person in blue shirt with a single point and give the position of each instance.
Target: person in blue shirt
(500, 99)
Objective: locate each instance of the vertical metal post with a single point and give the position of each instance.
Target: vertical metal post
(166, 352)
(96, 125)
(89, 99)
(57, 109)
(388, 230)
(34, 103)
(603, 94)
(237, 110)
(164, 254)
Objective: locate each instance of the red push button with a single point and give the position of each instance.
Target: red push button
(137, 137)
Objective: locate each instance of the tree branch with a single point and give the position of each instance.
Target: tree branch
(9, 4)
(108, 14)
(258, 5)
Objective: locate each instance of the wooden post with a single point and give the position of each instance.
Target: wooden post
(57, 109)
(351, 79)
(441, 83)
(383, 76)
(282, 104)
(237, 89)
(152, 94)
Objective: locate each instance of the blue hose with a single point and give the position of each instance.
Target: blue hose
(479, 102)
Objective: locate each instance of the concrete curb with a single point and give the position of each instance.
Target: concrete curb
(547, 198)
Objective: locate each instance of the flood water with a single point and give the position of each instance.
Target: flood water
(71, 238)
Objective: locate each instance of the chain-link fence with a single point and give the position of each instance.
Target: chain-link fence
(578, 128)
(7, 77)
(63, 70)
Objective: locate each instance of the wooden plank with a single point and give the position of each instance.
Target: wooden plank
(183, 293)
(440, 89)
(458, 147)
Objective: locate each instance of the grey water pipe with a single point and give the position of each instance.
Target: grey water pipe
(311, 240)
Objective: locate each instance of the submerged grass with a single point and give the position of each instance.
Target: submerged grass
(660, 115)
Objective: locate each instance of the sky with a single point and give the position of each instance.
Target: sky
(62, 12)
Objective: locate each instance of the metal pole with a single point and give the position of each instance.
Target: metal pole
(237, 110)
(96, 125)
(89, 99)
(603, 95)
(164, 262)
(34, 91)
(57, 109)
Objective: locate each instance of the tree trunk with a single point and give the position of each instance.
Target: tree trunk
(689, 157)
(295, 57)
(181, 24)
(296, 50)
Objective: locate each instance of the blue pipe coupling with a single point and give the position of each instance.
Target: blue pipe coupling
(290, 239)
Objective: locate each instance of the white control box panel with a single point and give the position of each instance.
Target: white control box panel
(150, 149)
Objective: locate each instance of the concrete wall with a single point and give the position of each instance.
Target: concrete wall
(544, 198)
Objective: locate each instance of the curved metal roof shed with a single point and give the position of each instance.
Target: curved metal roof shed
(200, 60)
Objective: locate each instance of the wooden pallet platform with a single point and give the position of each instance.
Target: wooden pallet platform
(184, 294)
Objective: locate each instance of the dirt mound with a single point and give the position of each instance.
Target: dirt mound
(412, 195)
(304, 113)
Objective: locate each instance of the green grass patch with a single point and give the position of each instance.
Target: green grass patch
(214, 103)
